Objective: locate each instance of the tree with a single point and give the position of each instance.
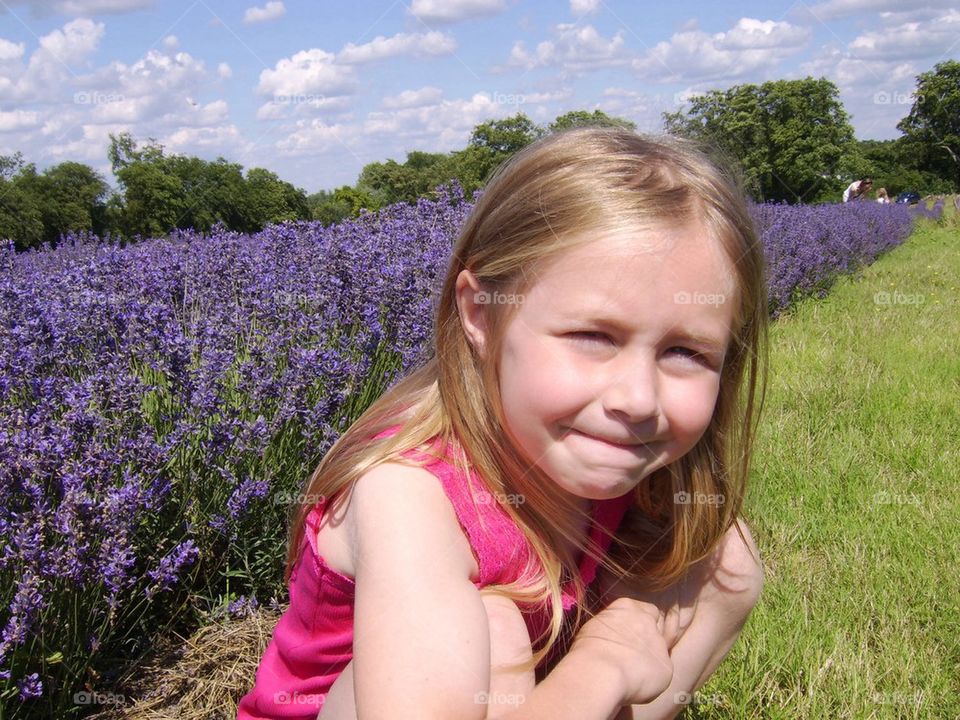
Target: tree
(20, 218)
(153, 199)
(493, 143)
(506, 136)
(932, 128)
(581, 118)
(73, 199)
(792, 138)
(387, 182)
(271, 200)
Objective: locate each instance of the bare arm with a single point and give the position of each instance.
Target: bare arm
(421, 634)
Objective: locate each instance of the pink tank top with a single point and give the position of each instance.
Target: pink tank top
(313, 640)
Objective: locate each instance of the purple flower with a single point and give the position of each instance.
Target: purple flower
(30, 687)
(167, 572)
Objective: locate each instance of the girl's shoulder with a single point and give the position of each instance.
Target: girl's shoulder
(396, 494)
(388, 488)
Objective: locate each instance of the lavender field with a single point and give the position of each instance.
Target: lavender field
(161, 404)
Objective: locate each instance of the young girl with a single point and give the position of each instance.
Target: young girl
(541, 521)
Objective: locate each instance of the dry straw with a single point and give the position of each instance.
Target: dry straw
(201, 677)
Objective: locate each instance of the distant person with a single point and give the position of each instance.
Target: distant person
(857, 189)
(882, 196)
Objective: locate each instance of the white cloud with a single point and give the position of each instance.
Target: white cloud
(308, 72)
(413, 98)
(10, 51)
(909, 40)
(75, 43)
(224, 71)
(48, 72)
(170, 42)
(18, 120)
(448, 123)
(695, 56)
(157, 75)
(271, 11)
(454, 10)
(314, 137)
(584, 7)
(213, 113)
(750, 34)
(192, 139)
(574, 48)
(282, 106)
(120, 110)
(418, 44)
(91, 147)
(840, 8)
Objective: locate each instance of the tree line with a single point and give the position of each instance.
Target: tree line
(791, 140)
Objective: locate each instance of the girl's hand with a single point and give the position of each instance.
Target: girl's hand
(627, 636)
(676, 604)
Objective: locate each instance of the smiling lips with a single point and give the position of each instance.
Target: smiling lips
(614, 443)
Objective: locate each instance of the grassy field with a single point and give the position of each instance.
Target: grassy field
(854, 502)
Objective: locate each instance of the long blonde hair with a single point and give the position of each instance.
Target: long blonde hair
(570, 182)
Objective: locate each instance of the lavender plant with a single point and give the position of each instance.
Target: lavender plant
(161, 403)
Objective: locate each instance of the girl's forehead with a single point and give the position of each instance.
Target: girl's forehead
(628, 266)
(610, 249)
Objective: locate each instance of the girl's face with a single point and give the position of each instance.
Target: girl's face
(611, 366)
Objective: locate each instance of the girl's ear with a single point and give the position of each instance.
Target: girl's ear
(471, 301)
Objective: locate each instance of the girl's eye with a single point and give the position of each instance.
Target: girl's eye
(587, 337)
(692, 355)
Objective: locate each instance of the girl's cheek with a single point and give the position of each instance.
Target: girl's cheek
(692, 409)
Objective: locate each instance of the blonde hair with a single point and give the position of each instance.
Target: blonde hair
(567, 183)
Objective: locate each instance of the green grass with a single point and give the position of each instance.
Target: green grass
(854, 502)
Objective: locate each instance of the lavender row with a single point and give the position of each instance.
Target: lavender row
(161, 403)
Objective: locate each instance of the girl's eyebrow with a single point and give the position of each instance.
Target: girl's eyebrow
(704, 340)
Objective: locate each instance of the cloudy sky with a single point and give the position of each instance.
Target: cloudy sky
(315, 90)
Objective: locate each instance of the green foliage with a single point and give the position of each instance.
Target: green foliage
(496, 141)
(164, 192)
(931, 131)
(20, 217)
(581, 118)
(895, 165)
(344, 202)
(791, 137)
(39, 207)
(271, 200)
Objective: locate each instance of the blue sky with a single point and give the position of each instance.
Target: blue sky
(315, 90)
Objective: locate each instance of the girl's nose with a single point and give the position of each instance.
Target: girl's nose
(633, 393)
